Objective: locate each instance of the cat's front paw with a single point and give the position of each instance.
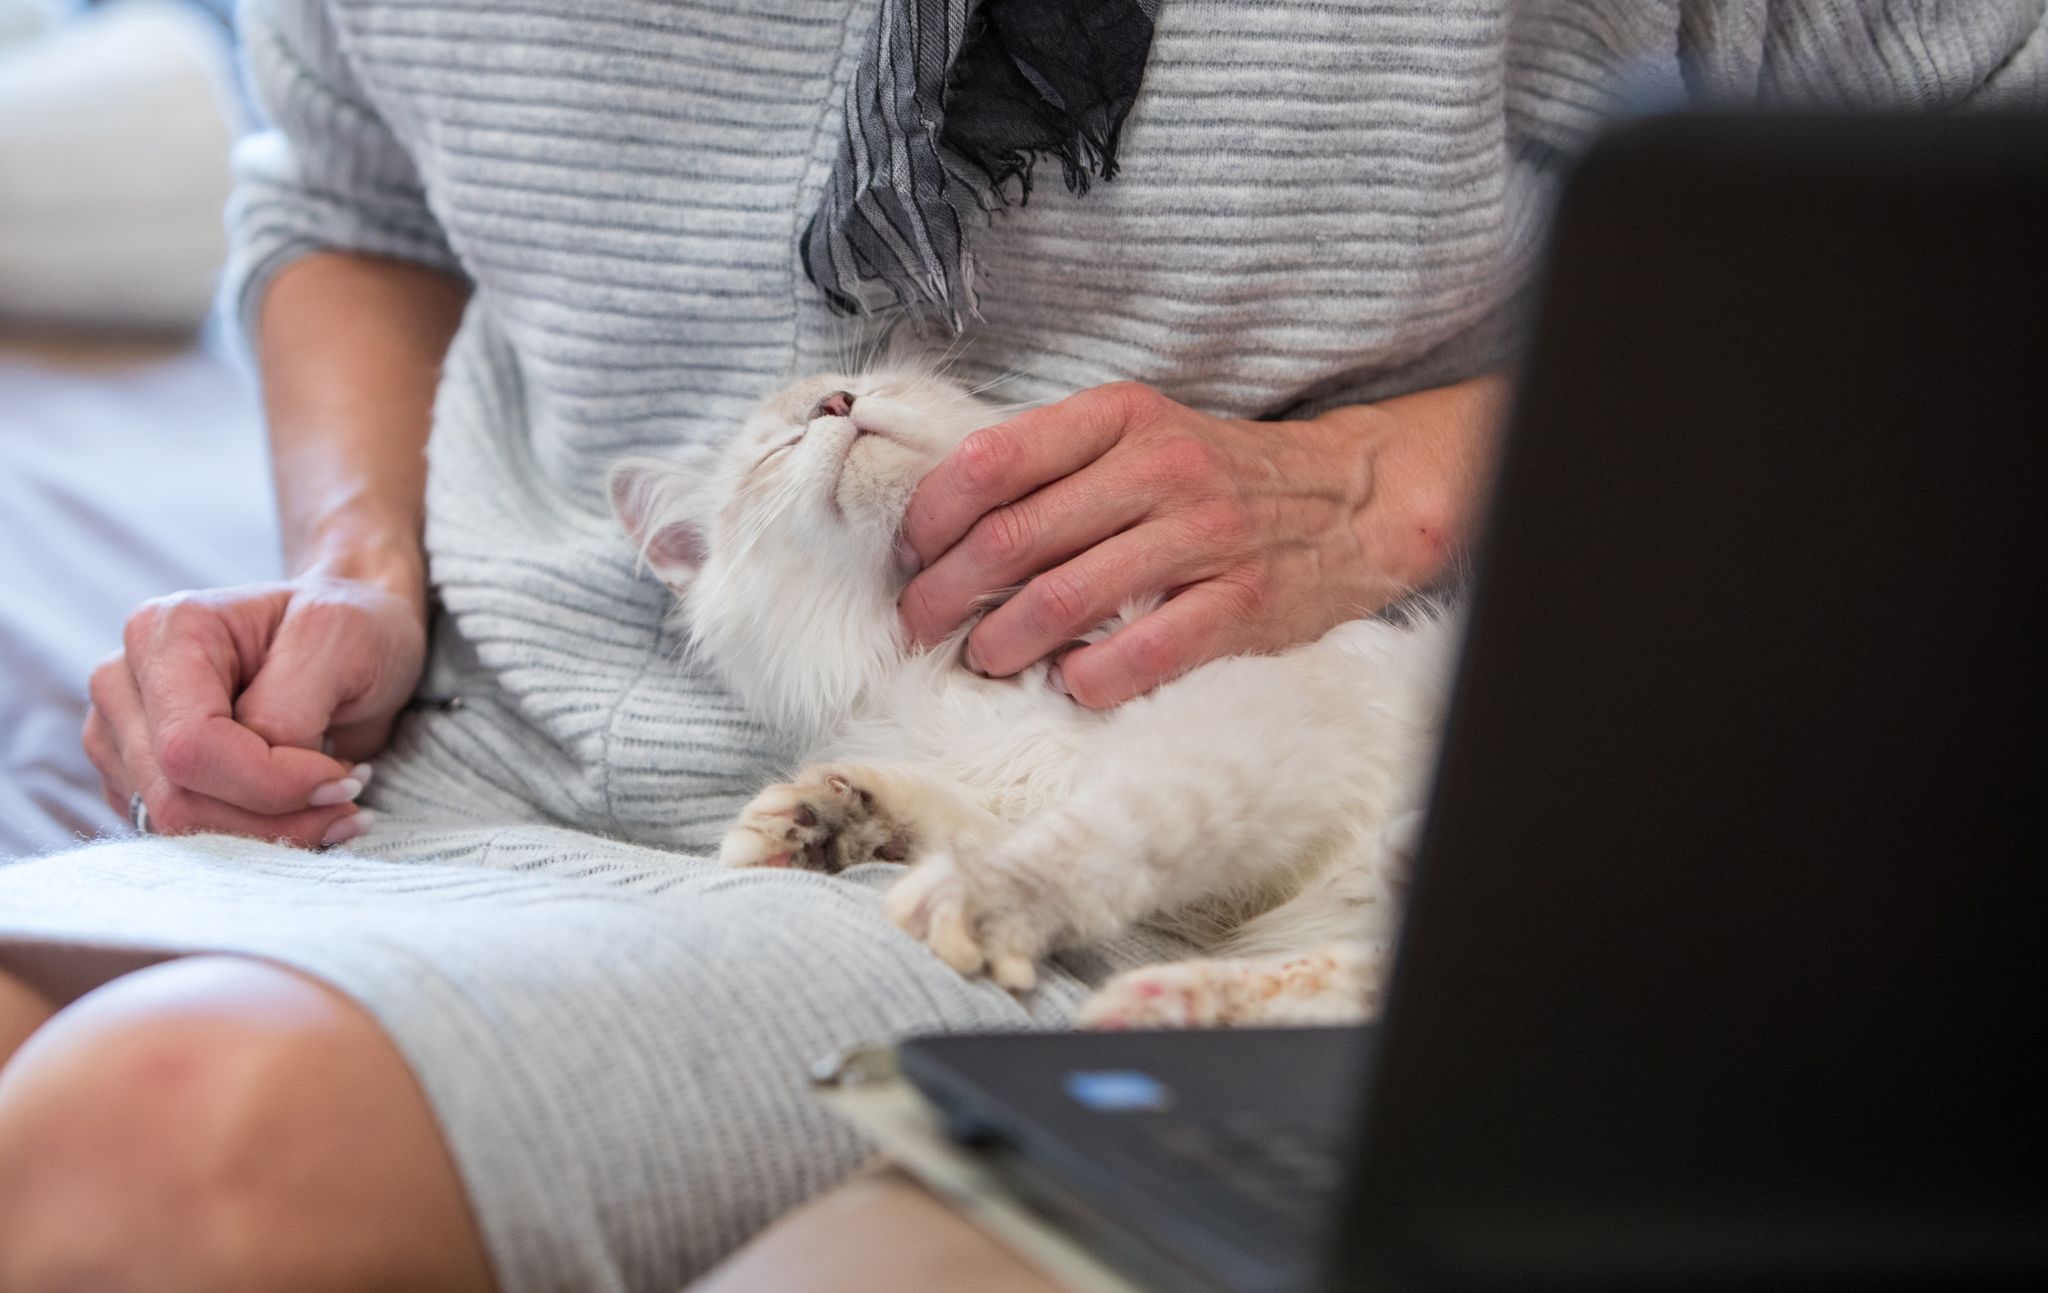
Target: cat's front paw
(826, 820)
(974, 920)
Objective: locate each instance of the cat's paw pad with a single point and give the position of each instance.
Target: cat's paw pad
(826, 820)
(969, 928)
(1185, 994)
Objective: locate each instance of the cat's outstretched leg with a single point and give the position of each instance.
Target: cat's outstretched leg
(837, 815)
(1201, 808)
(1338, 984)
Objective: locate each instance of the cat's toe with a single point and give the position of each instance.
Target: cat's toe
(1015, 972)
(779, 828)
(909, 902)
(744, 847)
(840, 790)
(937, 905)
(949, 933)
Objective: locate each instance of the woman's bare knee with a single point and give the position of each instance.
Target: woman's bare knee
(223, 1124)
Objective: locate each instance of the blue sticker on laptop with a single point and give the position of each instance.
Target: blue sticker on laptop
(1118, 1091)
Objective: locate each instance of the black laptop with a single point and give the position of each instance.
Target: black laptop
(1724, 964)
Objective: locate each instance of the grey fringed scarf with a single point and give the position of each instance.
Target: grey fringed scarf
(954, 103)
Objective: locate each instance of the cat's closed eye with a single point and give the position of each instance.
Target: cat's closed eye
(790, 443)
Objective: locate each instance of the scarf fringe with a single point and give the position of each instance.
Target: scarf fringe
(988, 114)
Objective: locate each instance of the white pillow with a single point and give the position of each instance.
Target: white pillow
(114, 137)
(22, 18)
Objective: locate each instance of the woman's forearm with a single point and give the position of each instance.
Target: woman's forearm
(350, 349)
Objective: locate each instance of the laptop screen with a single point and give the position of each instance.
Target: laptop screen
(1723, 955)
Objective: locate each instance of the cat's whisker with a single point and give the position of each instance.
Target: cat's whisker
(990, 384)
(1007, 411)
(1010, 373)
(950, 356)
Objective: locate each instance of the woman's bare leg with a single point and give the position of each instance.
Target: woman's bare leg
(22, 1011)
(224, 1125)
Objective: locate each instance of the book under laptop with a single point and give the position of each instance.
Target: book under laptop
(1724, 961)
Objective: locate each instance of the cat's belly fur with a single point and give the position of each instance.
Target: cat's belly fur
(1357, 708)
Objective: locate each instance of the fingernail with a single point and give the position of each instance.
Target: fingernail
(329, 793)
(907, 559)
(1056, 678)
(347, 828)
(361, 772)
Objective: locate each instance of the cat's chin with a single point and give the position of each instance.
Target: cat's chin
(876, 479)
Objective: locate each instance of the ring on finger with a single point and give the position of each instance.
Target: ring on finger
(138, 814)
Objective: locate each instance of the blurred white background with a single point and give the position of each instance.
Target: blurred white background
(131, 456)
(115, 124)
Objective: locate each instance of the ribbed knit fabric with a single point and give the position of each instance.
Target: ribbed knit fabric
(1319, 203)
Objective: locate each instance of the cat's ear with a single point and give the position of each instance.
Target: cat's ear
(661, 504)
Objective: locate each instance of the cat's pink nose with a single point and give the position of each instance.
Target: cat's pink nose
(838, 404)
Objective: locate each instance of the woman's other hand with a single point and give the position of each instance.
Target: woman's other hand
(1263, 535)
(219, 706)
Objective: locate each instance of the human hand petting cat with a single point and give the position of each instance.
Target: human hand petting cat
(1262, 535)
(216, 709)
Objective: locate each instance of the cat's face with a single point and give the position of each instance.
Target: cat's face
(781, 542)
(850, 449)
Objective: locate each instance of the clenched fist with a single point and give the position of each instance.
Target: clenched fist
(220, 704)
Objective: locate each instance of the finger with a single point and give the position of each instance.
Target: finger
(1005, 462)
(174, 810)
(323, 685)
(1072, 599)
(1197, 625)
(112, 725)
(185, 686)
(362, 740)
(1017, 541)
(307, 675)
(98, 740)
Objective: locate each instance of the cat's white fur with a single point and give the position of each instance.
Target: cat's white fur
(1258, 805)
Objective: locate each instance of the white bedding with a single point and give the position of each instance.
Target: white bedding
(118, 481)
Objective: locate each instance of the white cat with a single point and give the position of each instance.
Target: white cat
(1257, 805)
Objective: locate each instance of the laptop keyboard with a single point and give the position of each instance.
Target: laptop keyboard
(1286, 1174)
